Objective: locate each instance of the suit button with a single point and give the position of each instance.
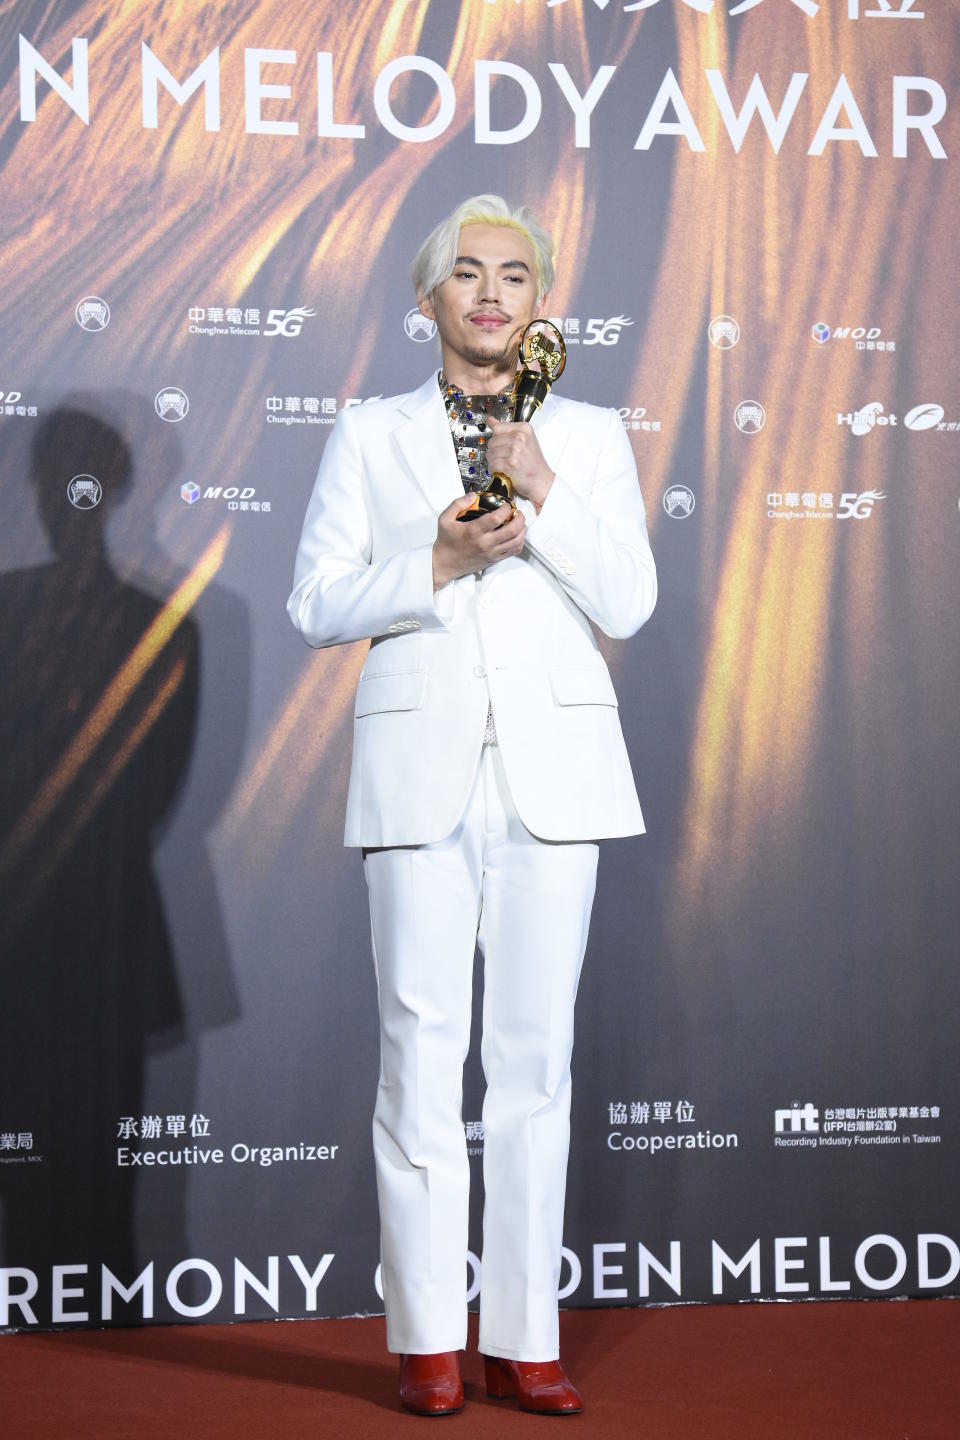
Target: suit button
(479, 671)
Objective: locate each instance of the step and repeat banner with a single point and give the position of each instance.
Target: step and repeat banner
(207, 217)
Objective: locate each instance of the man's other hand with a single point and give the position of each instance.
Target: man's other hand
(514, 449)
(459, 549)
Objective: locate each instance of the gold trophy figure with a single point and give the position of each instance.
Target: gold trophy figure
(543, 356)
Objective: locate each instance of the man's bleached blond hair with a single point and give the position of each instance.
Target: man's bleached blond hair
(434, 261)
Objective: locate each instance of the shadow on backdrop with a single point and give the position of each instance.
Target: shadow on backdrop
(97, 731)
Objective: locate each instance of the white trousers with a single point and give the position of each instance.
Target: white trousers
(527, 904)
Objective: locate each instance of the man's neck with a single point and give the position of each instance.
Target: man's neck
(476, 379)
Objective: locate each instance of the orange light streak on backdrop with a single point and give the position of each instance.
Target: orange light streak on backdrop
(87, 748)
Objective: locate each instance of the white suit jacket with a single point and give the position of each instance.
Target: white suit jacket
(518, 635)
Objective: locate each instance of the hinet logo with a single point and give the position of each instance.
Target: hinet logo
(798, 1117)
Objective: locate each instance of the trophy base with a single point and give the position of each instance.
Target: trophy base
(486, 501)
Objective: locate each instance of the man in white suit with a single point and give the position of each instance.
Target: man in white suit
(488, 760)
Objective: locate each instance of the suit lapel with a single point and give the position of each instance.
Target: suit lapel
(551, 433)
(423, 437)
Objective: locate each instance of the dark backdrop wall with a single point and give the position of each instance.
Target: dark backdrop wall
(207, 217)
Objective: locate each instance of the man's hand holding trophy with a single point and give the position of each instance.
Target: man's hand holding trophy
(542, 356)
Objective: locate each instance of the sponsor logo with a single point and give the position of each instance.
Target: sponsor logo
(634, 418)
(864, 337)
(796, 1118)
(595, 331)
(921, 417)
(807, 505)
(867, 418)
(92, 313)
(678, 502)
(724, 332)
(234, 497)
(605, 332)
(310, 409)
(84, 492)
(924, 417)
(810, 1127)
(171, 404)
(858, 507)
(288, 322)
(750, 417)
(246, 320)
(418, 327)
(11, 403)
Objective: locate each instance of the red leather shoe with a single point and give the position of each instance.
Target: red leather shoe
(539, 1386)
(431, 1384)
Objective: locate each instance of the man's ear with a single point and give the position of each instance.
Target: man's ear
(541, 309)
(425, 305)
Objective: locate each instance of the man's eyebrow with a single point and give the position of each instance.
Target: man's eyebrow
(506, 265)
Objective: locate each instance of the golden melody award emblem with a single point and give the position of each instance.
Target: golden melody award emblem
(543, 356)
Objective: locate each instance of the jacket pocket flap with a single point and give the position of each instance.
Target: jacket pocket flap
(402, 691)
(591, 686)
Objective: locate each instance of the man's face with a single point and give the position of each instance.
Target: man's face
(482, 308)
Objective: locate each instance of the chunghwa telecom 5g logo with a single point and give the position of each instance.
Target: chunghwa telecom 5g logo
(287, 322)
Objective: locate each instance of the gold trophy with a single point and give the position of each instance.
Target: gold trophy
(542, 358)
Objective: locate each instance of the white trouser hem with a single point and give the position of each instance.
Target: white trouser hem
(441, 1345)
(523, 1354)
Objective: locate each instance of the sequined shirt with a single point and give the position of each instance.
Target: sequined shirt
(467, 417)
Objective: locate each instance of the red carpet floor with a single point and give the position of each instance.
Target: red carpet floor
(883, 1370)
